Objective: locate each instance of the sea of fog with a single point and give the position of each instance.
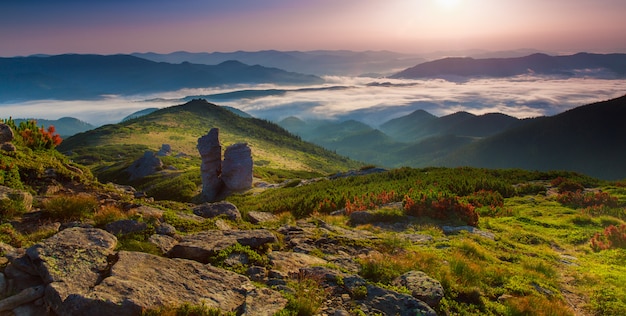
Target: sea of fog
(372, 101)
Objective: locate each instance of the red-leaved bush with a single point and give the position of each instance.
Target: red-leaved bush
(612, 237)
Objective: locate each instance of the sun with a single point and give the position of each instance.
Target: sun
(448, 4)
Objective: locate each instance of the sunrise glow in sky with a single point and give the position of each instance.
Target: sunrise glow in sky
(412, 26)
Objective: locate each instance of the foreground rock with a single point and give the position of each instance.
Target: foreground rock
(79, 273)
(9, 195)
(210, 210)
(204, 245)
(148, 164)
(220, 178)
(421, 286)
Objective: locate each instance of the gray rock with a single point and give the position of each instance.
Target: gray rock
(148, 211)
(361, 217)
(148, 164)
(237, 167)
(23, 197)
(165, 150)
(416, 238)
(292, 262)
(261, 217)
(211, 168)
(166, 229)
(31, 310)
(3, 285)
(257, 274)
(6, 133)
(210, 210)
(452, 230)
(163, 242)
(422, 287)
(263, 302)
(125, 227)
(202, 246)
(9, 147)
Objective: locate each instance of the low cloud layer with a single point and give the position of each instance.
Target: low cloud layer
(371, 103)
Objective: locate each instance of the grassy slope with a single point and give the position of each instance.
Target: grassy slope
(273, 149)
(540, 262)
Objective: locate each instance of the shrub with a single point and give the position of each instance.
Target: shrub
(34, 137)
(108, 214)
(531, 188)
(440, 205)
(578, 199)
(186, 309)
(307, 297)
(612, 237)
(566, 185)
(9, 235)
(71, 207)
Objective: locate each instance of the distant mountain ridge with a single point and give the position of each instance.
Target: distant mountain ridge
(589, 139)
(320, 62)
(76, 76)
(65, 126)
(581, 64)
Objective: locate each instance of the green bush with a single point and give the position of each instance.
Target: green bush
(69, 207)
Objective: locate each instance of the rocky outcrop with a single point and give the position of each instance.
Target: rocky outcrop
(77, 272)
(9, 195)
(422, 287)
(148, 164)
(210, 210)
(6, 136)
(237, 167)
(166, 150)
(204, 245)
(211, 168)
(219, 178)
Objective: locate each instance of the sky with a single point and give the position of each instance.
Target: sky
(411, 26)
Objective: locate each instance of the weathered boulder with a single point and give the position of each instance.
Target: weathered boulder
(211, 168)
(202, 246)
(256, 217)
(361, 217)
(422, 287)
(148, 164)
(453, 230)
(262, 302)
(163, 242)
(71, 263)
(384, 301)
(8, 147)
(22, 197)
(165, 229)
(125, 227)
(292, 262)
(6, 133)
(210, 210)
(237, 167)
(165, 150)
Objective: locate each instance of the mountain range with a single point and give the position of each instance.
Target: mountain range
(588, 139)
(581, 64)
(321, 62)
(72, 77)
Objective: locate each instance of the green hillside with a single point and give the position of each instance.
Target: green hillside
(277, 154)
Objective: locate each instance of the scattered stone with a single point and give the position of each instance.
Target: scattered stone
(25, 296)
(257, 274)
(256, 217)
(22, 197)
(74, 224)
(8, 147)
(163, 242)
(422, 287)
(147, 211)
(237, 167)
(452, 230)
(416, 238)
(210, 210)
(6, 133)
(165, 150)
(292, 262)
(125, 227)
(263, 302)
(202, 246)
(166, 229)
(148, 164)
(361, 217)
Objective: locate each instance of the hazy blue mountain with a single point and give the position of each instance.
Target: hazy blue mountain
(321, 62)
(92, 76)
(581, 64)
(421, 124)
(65, 126)
(589, 139)
(139, 113)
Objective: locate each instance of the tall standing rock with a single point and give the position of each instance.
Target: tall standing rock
(211, 167)
(6, 133)
(237, 167)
